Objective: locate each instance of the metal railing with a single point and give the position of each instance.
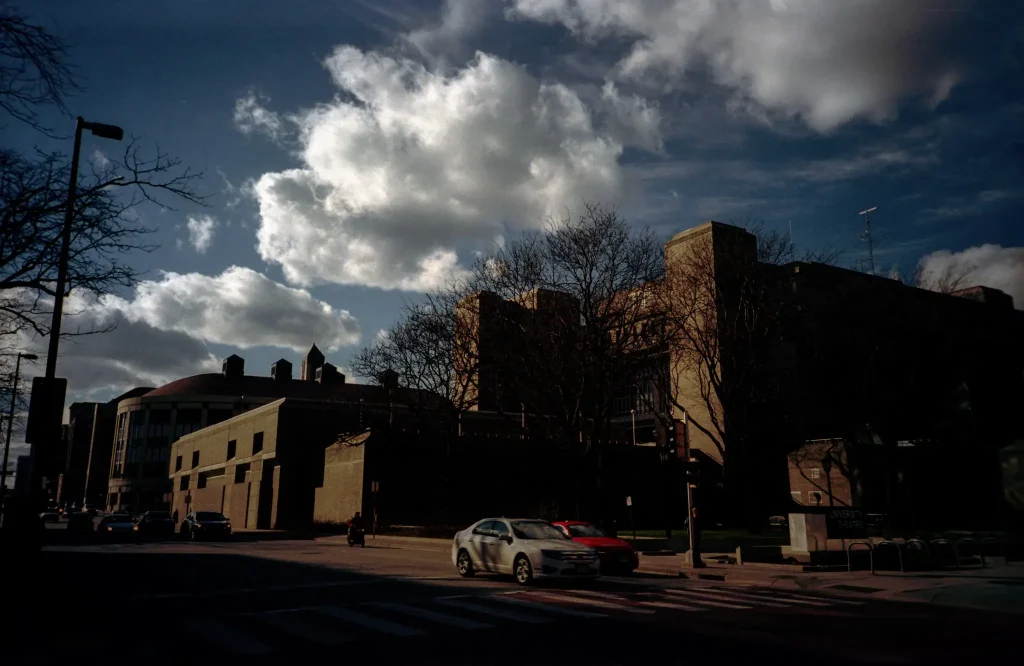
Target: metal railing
(959, 557)
(950, 546)
(871, 555)
(922, 547)
(899, 552)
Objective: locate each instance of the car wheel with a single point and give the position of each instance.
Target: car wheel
(522, 570)
(464, 564)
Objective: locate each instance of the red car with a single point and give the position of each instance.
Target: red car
(617, 556)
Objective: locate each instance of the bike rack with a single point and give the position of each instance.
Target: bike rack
(981, 552)
(940, 542)
(899, 552)
(923, 547)
(989, 540)
(871, 555)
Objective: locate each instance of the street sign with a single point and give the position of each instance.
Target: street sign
(843, 523)
(629, 501)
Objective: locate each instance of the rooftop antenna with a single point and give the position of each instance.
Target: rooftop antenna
(791, 231)
(866, 236)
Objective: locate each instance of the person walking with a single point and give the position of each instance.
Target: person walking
(695, 526)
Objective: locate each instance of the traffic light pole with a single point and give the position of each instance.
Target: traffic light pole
(689, 487)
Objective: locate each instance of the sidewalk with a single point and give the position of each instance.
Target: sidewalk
(998, 587)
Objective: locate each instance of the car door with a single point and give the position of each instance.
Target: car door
(500, 553)
(476, 543)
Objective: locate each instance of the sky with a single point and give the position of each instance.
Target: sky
(358, 153)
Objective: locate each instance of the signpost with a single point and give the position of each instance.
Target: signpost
(374, 486)
(844, 523)
(629, 505)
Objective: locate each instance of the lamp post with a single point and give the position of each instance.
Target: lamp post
(522, 420)
(113, 133)
(632, 413)
(10, 420)
(826, 464)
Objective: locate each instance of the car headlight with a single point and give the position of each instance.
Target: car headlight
(552, 554)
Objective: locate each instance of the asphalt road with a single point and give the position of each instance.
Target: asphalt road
(314, 602)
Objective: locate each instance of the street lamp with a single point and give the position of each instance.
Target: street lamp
(114, 133)
(632, 413)
(826, 464)
(10, 420)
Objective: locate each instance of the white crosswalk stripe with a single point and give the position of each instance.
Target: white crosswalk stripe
(227, 639)
(293, 624)
(315, 625)
(368, 621)
(432, 616)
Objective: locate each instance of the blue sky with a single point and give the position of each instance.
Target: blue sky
(357, 152)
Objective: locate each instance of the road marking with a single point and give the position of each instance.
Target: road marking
(700, 599)
(497, 612)
(250, 590)
(432, 616)
(671, 605)
(505, 598)
(592, 602)
(368, 621)
(717, 593)
(227, 638)
(786, 599)
(831, 600)
(293, 624)
(601, 595)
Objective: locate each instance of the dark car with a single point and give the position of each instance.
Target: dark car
(118, 525)
(205, 525)
(156, 523)
(80, 522)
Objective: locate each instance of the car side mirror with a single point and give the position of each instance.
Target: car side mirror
(507, 538)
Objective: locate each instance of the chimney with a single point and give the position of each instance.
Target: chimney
(233, 366)
(389, 380)
(328, 375)
(281, 370)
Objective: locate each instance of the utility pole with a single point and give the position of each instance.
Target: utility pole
(867, 237)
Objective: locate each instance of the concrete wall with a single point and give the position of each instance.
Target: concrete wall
(341, 494)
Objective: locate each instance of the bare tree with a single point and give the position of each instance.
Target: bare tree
(431, 351)
(723, 316)
(34, 70)
(105, 226)
(949, 279)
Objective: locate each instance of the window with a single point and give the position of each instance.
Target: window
(488, 528)
(815, 473)
(177, 464)
(184, 483)
(232, 446)
(240, 472)
(814, 498)
(797, 496)
(215, 416)
(257, 443)
(195, 459)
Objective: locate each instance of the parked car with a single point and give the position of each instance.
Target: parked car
(616, 555)
(205, 525)
(80, 522)
(50, 516)
(156, 522)
(527, 548)
(118, 525)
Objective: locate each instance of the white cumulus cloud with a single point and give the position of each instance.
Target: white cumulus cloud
(200, 231)
(241, 308)
(406, 165)
(825, 61)
(983, 265)
(252, 116)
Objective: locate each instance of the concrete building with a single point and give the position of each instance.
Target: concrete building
(147, 425)
(855, 357)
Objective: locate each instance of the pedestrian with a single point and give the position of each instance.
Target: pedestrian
(174, 516)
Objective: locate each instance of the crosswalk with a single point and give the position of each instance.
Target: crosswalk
(328, 625)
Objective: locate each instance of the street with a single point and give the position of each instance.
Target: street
(279, 601)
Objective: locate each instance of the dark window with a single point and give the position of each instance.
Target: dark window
(487, 528)
(231, 449)
(500, 528)
(184, 483)
(240, 472)
(195, 459)
(215, 416)
(177, 464)
(257, 443)
(201, 481)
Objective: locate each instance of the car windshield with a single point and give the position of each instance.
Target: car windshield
(158, 515)
(209, 516)
(585, 531)
(536, 529)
